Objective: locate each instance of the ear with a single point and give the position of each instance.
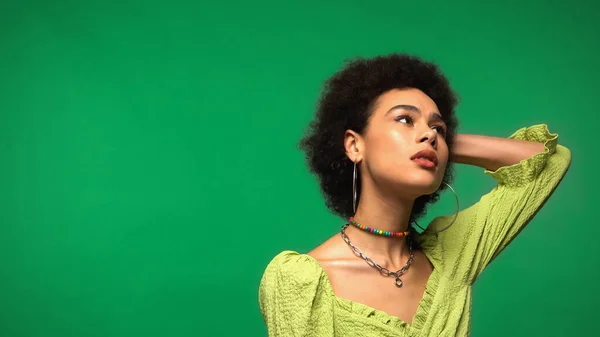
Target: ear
(354, 145)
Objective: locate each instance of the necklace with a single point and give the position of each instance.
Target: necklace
(384, 271)
(376, 231)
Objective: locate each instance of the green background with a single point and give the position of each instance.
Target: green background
(149, 168)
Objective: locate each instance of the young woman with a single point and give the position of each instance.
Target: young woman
(382, 145)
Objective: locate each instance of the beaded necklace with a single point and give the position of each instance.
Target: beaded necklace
(377, 231)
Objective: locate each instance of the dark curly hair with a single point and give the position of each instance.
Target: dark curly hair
(347, 101)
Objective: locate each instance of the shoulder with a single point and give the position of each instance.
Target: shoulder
(292, 266)
(294, 296)
(290, 273)
(292, 279)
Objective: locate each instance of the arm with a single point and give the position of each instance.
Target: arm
(528, 166)
(491, 153)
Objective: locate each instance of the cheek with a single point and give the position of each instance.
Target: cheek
(443, 153)
(390, 160)
(388, 150)
(443, 156)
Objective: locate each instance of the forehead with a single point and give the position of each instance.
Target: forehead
(408, 96)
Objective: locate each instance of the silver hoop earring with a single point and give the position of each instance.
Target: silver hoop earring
(455, 214)
(354, 189)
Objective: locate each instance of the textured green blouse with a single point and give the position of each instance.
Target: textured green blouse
(296, 297)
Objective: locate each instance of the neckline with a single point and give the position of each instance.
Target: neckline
(380, 313)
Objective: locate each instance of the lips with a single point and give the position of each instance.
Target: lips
(425, 158)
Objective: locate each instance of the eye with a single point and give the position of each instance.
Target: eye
(439, 130)
(404, 119)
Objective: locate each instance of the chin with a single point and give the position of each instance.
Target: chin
(425, 189)
(411, 183)
(420, 185)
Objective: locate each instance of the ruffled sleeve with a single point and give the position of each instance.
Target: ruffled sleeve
(294, 298)
(483, 230)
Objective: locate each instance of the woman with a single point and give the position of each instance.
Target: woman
(382, 144)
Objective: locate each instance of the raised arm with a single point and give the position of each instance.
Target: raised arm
(492, 153)
(528, 166)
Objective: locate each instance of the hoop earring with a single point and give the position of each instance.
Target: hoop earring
(354, 189)
(455, 214)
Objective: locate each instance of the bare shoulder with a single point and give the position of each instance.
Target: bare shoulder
(339, 263)
(330, 251)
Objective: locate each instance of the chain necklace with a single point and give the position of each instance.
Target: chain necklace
(384, 271)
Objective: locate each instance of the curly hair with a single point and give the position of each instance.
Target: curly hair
(347, 102)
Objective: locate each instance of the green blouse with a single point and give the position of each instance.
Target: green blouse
(296, 297)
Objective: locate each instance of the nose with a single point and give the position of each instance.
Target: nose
(429, 136)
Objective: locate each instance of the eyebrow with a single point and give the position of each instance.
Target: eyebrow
(436, 115)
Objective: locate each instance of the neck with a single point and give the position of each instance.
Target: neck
(380, 213)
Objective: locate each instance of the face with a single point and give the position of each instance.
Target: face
(403, 146)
